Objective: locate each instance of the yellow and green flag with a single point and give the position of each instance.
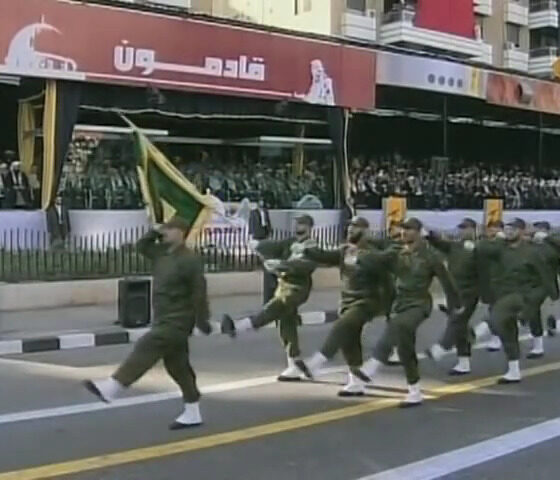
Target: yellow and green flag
(165, 190)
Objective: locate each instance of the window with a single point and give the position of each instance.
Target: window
(513, 34)
(302, 6)
(296, 7)
(307, 7)
(358, 5)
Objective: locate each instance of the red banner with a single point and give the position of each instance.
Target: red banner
(55, 39)
(449, 16)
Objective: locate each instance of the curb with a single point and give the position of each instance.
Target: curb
(123, 336)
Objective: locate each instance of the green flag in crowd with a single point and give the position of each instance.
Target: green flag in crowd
(165, 190)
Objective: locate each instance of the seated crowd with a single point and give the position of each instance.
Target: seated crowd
(459, 187)
(113, 184)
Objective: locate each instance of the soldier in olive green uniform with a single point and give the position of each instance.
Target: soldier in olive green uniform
(462, 264)
(552, 263)
(489, 275)
(180, 303)
(394, 237)
(286, 260)
(365, 285)
(521, 272)
(415, 266)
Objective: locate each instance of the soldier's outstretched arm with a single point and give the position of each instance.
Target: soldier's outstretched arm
(543, 272)
(330, 258)
(439, 243)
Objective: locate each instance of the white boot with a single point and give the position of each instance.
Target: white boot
(513, 375)
(107, 389)
(462, 367)
(538, 348)
(495, 344)
(354, 388)
(292, 373)
(394, 358)
(311, 367)
(368, 370)
(436, 352)
(482, 330)
(189, 418)
(414, 396)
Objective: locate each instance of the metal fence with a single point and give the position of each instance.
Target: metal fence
(31, 256)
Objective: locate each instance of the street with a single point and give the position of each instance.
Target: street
(256, 428)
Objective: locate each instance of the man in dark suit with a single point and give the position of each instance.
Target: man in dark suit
(260, 228)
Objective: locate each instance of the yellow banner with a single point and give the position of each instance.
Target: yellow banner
(493, 210)
(394, 210)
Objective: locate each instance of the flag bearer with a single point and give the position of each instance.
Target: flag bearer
(180, 303)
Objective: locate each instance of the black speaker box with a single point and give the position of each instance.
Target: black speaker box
(135, 302)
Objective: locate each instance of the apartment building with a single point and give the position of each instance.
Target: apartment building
(521, 35)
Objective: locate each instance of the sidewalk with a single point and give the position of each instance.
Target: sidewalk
(55, 329)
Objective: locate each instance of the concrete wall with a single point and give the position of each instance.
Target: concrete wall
(34, 296)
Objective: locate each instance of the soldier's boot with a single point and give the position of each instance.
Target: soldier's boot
(311, 366)
(292, 373)
(189, 418)
(107, 390)
(463, 367)
(354, 388)
(538, 349)
(513, 375)
(413, 398)
(394, 358)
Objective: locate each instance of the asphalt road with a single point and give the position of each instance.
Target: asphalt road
(256, 428)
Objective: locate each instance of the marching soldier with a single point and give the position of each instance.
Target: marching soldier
(522, 272)
(552, 262)
(489, 275)
(538, 294)
(462, 264)
(286, 260)
(415, 266)
(180, 303)
(365, 285)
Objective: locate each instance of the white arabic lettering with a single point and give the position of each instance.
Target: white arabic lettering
(126, 58)
(145, 59)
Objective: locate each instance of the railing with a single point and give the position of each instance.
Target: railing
(543, 5)
(543, 52)
(31, 256)
(399, 15)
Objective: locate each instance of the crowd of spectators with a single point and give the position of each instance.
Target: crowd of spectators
(17, 190)
(456, 185)
(113, 184)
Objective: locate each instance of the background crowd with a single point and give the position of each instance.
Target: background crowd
(107, 179)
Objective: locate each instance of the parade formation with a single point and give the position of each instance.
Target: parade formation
(511, 268)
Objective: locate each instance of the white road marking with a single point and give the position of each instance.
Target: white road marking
(463, 458)
(140, 399)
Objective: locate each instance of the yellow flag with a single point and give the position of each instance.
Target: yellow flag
(394, 210)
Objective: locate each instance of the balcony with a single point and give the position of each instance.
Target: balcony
(543, 14)
(515, 59)
(483, 7)
(541, 60)
(517, 13)
(359, 25)
(398, 28)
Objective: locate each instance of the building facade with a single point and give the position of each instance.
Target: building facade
(520, 35)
